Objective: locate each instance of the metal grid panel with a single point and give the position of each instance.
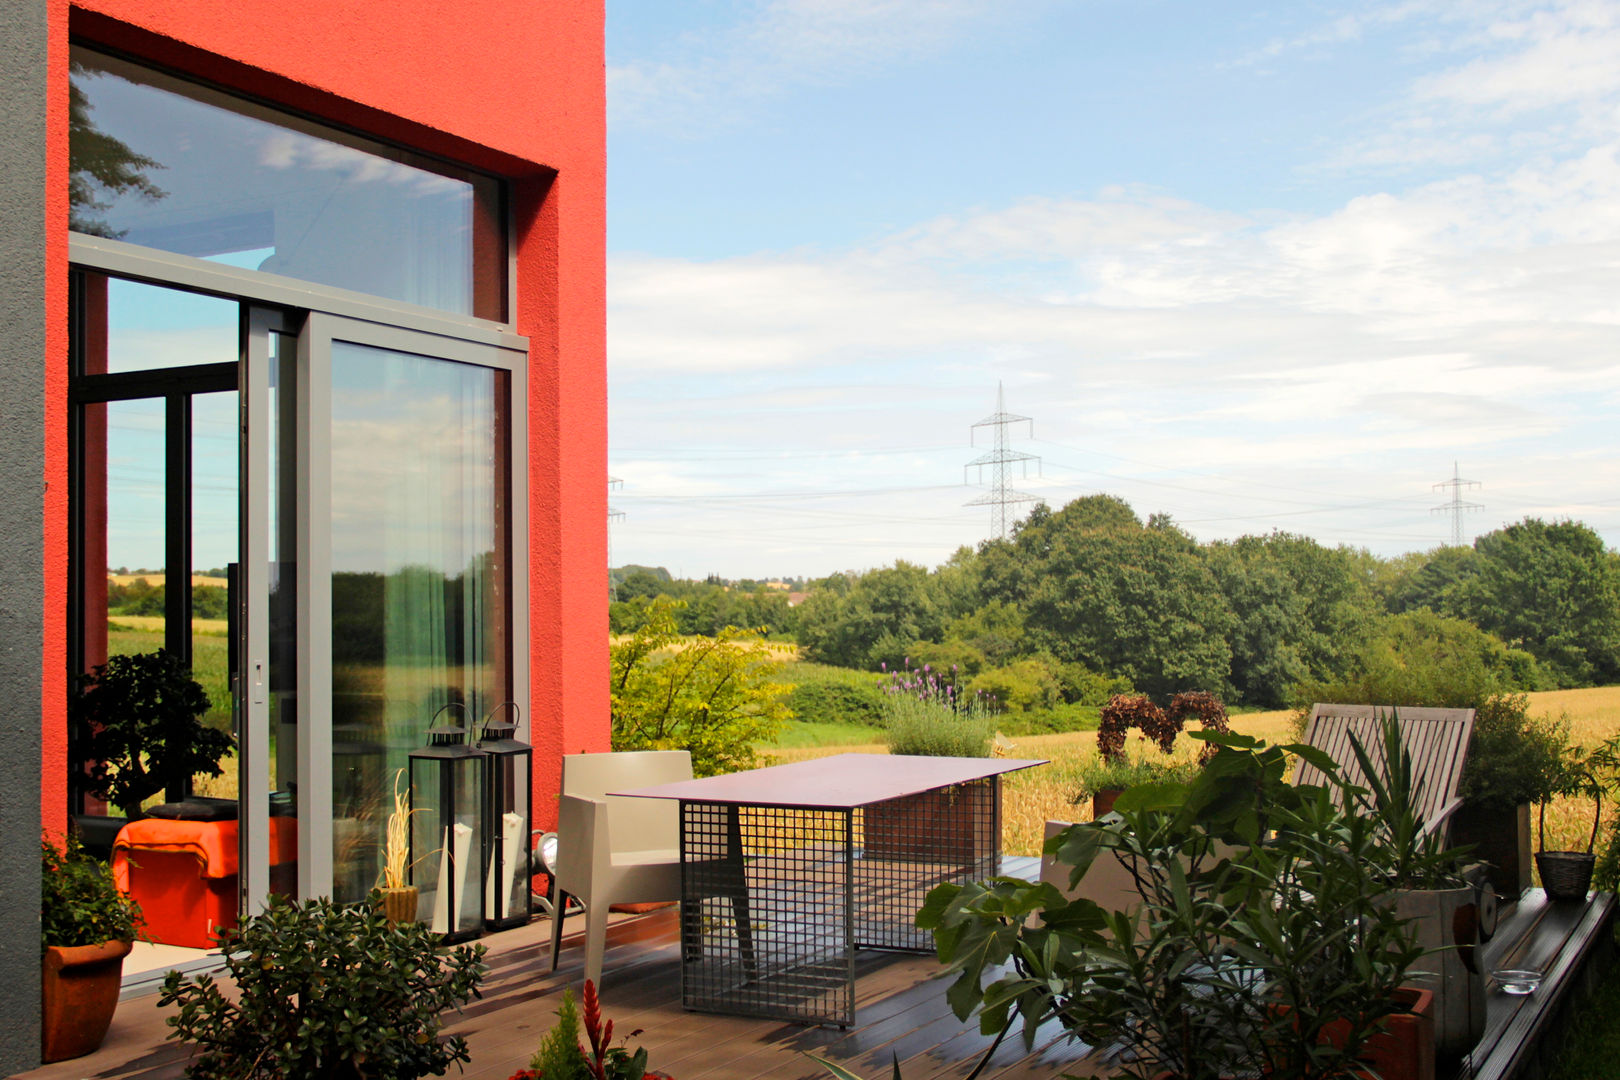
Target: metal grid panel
(776, 900)
(765, 912)
(909, 845)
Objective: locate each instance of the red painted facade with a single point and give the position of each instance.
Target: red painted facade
(513, 89)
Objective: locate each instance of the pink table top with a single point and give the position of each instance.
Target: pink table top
(841, 782)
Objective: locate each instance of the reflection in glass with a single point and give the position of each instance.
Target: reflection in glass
(170, 165)
(419, 582)
(283, 613)
(214, 509)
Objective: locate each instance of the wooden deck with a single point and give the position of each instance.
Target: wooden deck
(901, 1011)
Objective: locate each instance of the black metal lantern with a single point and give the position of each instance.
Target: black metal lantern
(508, 778)
(447, 829)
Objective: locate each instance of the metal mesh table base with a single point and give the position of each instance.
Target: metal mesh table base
(775, 900)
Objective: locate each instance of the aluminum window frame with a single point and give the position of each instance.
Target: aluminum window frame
(331, 314)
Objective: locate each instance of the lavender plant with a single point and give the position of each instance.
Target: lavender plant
(925, 712)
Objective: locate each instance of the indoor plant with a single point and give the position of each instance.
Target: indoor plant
(325, 991)
(1260, 945)
(87, 927)
(1566, 875)
(136, 722)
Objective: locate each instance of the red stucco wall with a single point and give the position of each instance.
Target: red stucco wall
(514, 87)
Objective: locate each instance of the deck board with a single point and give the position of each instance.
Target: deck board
(900, 1012)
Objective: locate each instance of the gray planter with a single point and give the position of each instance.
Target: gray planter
(1446, 925)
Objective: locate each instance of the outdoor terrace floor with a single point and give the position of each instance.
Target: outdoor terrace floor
(900, 1002)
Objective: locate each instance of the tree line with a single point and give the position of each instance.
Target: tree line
(1088, 600)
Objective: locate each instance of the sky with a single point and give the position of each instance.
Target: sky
(1256, 266)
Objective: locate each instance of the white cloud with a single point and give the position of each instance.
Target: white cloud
(1474, 317)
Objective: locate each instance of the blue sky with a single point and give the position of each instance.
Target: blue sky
(1256, 266)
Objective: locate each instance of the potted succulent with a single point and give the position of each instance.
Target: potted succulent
(1566, 875)
(1514, 762)
(136, 722)
(87, 929)
(398, 896)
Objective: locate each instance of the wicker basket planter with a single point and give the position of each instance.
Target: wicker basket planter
(1565, 875)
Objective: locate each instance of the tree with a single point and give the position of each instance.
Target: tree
(1552, 589)
(1431, 580)
(884, 613)
(709, 696)
(1101, 589)
(1301, 612)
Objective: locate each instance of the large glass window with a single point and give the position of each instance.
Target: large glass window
(167, 164)
(420, 581)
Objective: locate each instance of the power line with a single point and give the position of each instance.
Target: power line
(1000, 462)
(1456, 507)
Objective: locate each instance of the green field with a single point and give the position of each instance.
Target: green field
(210, 661)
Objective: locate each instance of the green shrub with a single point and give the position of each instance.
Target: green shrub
(713, 697)
(1098, 774)
(1020, 686)
(1512, 757)
(1056, 720)
(852, 701)
(326, 990)
(79, 904)
(1420, 658)
(934, 728)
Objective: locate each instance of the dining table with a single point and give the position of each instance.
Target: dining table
(787, 871)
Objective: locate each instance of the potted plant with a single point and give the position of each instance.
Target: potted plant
(381, 992)
(87, 928)
(136, 723)
(397, 896)
(1424, 878)
(1566, 875)
(562, 1056)
(1261, 945)
(1514, 762)
(1115, 771)
(1103, 780)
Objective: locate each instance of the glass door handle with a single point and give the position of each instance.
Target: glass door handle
(257, 687)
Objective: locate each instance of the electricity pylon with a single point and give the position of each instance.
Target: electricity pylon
(613, 515)
(1456, 507)
(1000, 461)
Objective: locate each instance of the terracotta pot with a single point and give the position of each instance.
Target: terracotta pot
(1404, 1050)
(1102, 802)
(399, 905)
(80, 984)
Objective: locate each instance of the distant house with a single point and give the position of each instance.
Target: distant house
(313, 291)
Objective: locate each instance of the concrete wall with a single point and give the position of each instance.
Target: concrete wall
(23, 100)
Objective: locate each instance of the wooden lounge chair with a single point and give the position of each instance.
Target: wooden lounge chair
(1437, 739)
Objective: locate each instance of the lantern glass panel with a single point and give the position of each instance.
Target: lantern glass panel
(508, 887)
(447, 841)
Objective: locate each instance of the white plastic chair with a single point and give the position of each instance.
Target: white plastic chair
(615, 850)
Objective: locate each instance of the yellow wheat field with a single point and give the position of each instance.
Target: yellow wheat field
(1032, 797)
